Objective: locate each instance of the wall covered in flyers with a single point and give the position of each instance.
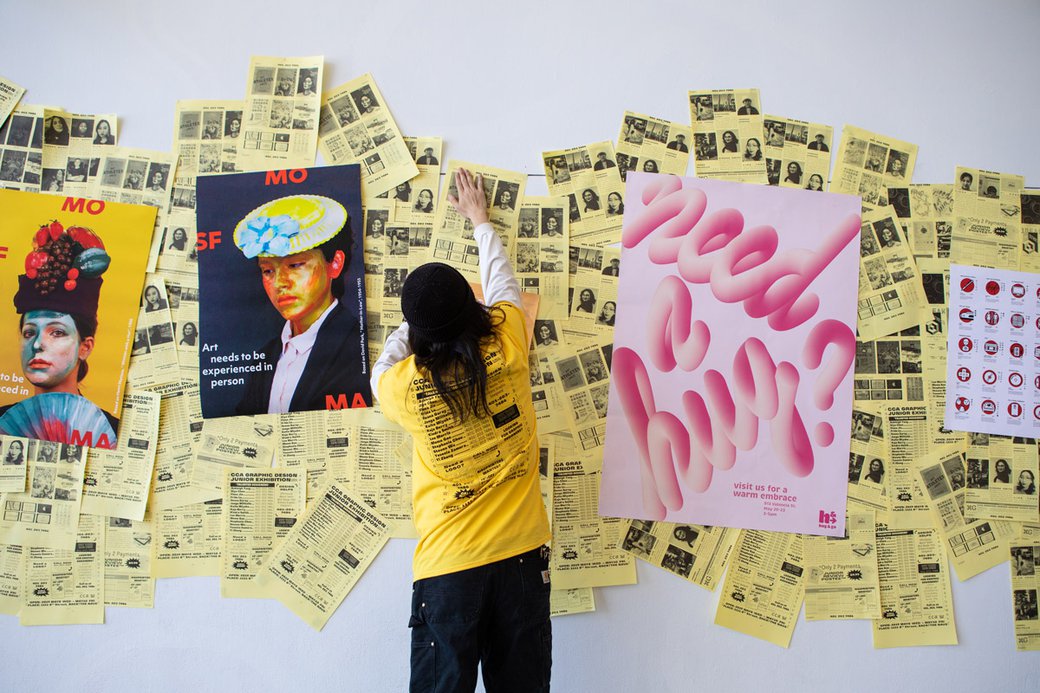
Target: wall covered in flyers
(280, 254)
(810, 63)
(731, 385)
(71, 272)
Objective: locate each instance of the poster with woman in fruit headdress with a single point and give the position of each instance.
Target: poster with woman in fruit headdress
(71, 272)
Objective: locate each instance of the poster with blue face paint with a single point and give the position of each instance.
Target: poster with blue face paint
(71, 272)
(281, 292)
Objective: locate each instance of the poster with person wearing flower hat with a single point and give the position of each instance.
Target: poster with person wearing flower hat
(281, 292)
(71, 272)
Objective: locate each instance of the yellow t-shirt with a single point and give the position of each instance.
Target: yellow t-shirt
(475, 493)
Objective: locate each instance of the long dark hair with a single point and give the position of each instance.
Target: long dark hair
(456, 368)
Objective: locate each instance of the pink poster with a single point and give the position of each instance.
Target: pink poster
(731, 376)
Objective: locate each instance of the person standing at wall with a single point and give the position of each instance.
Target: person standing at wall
(455, 375)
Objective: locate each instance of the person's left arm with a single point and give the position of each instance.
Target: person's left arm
(395, 350)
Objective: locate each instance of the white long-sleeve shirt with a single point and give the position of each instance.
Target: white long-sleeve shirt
(496, 279)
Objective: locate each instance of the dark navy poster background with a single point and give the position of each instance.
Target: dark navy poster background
(236, 317)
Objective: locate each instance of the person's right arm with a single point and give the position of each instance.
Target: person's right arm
(496, 273)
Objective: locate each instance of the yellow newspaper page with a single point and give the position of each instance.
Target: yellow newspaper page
(356, 447)
(398, 241)
(1025, 583)
(260, 508)
(724, 120)
(926, 212)
(890, 291)
(986, 217)
(187, 540)
(47, 514)
(153, 360)
(935, 276)
(206, 136)
(798, 154)
(908, 440)
(579, 600)
(356, 127)
(546, 394)
(13, 464)
(10, 95)
(889, 369)
(116, 482)
(176, 251)
(546, 466)
(21, 149)
(381, 481)
(280, 129)
(230, 443)
(586, 547)
(580, 327)
(65, 586)
(843, 572)
(585, 376)
(382, 282)
(452, 240)
(171, 480)
(588, 177)
(183, 290)
(1029, 220)
(764, 586)
(695, 553)
(548, 335)
(1002, 472)
(593, 306)
(868, 458)
(653, 145)
(183, 197)
(916, 599)
(73, 144)
(135, 176)
(128, 563)
(427, 154)
(974, 545)
(322, 443)
(868, 164)
(10, 579)
(541, 253)
(405, 247)
(410, 205)
(415, 200)
(319, 562)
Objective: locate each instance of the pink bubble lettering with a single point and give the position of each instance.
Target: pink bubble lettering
(739, 266)
(742, 266)
(718, 423)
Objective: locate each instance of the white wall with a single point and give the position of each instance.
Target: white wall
(501, 82)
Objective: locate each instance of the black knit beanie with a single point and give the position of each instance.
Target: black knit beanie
(438, 301)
